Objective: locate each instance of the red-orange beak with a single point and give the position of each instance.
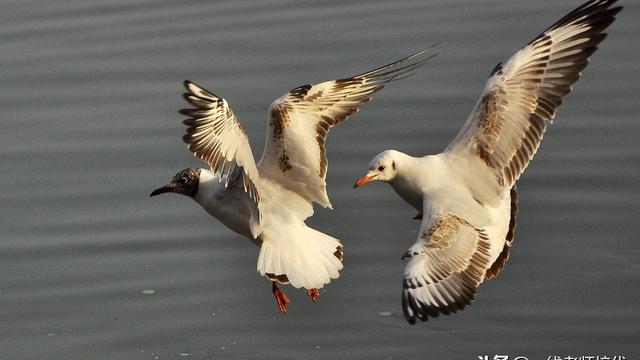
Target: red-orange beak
(363, 180)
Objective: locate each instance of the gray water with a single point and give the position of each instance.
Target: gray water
(89, 92)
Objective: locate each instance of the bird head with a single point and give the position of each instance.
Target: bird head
(383, 167)
(185, 183)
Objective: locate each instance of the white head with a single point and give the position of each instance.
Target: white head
(383, 167)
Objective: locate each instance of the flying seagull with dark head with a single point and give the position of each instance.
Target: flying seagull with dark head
(268, 202)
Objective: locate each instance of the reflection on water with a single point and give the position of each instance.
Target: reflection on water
(94, 269)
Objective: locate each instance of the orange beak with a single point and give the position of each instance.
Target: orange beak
(363, 180)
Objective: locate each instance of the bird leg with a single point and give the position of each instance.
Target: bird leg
(281, 298)
(419, 216)
(314, 294)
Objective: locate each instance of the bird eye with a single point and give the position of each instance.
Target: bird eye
(183, 180)
(381, 168)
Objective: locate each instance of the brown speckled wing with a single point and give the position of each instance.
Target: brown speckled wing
(215, 135)
(445, 267)
(299, 122)
(521, 97)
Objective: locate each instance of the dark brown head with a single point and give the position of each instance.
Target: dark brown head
(185, 183)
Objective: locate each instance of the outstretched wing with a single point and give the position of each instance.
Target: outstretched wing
(506, 126)
(215, 136)
(299, 121)
(446, 265)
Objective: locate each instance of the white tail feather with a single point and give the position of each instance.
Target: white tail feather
(307, 257)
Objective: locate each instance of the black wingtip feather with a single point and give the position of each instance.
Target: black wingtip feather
(497, 69)
(596, 13)
(392, 71)
(186, 112)
(189, 85)
(413, 308)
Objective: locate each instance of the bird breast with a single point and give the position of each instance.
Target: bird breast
(229, 205)
(408, 192)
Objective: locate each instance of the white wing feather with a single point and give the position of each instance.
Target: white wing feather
(299, 121)
(446, 264)
(215, 135)
(506, 126)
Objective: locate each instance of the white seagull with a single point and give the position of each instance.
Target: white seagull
(466, 195)
(269, 202)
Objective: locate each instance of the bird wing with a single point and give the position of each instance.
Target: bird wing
(521, 97)
(446, 265)
(299, 121)
(215, 135)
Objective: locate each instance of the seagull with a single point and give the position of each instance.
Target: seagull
(268, 202)
(466, 196)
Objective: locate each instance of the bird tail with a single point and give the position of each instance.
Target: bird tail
(303, 257)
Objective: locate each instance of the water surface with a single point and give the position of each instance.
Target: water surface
(89, 128)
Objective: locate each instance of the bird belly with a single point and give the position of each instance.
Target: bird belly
(498, 227)
(237, 221)
(227, 205)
